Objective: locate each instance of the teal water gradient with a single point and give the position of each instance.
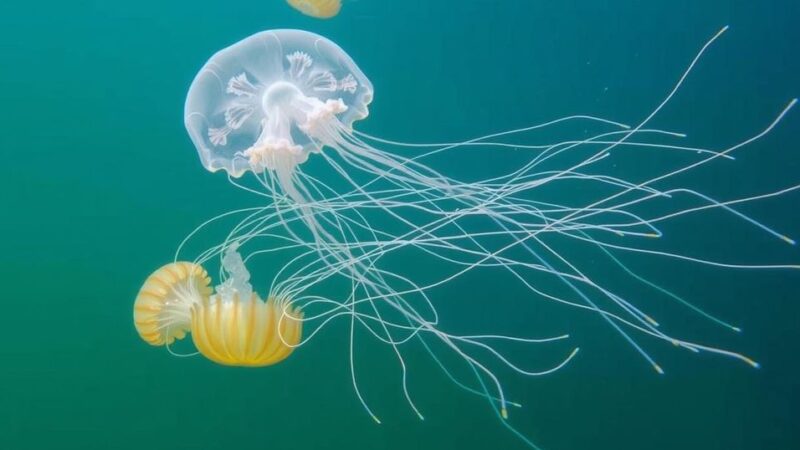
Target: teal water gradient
(100, 183)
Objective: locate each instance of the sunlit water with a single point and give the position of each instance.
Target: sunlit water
(101, 183)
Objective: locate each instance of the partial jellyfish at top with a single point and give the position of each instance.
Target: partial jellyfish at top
(370, 233)
(321, 9)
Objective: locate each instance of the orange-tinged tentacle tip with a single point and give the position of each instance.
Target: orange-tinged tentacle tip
(504, 413)
(161, 311)
(321, 9)
(245, 332)
(753, 364)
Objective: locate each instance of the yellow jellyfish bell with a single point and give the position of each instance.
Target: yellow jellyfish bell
(245, 331)
(161, 311)
(321, 9)
(233, 327)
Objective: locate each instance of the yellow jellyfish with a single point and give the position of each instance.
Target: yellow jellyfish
(161, 312)
(245, 332)
(321, 9)
(233, 327)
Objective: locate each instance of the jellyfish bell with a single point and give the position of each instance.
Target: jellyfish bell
(234, 327)
(321, 9)
(268, 101)
(245, 331)
(162, 310)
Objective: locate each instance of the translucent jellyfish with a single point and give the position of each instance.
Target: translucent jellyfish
(233, 327)
(369, 230)
(257, 106)
(321, 9)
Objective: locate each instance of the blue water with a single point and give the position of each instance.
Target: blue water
(100, 183)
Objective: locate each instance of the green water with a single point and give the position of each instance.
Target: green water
(100, 183)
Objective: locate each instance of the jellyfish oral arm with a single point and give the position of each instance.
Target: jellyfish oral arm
(285, 107)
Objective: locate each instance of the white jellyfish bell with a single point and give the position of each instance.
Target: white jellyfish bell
(270, 100)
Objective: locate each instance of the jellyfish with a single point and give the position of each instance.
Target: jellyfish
(321, 9)
(345, 212)
(161, 311)
(232, 327)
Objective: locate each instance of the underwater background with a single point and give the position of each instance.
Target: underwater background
(99, 183)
